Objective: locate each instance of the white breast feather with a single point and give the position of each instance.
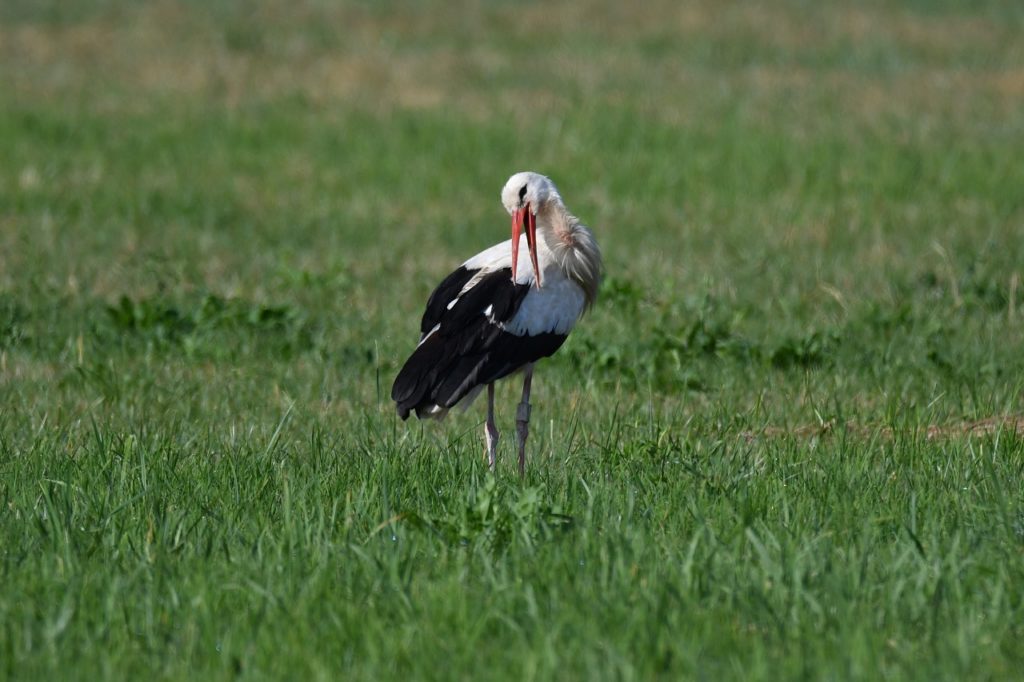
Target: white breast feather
(554, 307)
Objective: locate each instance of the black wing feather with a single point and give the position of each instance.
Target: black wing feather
(437, 304)
(469, 347)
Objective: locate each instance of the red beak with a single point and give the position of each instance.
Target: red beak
(523, 217)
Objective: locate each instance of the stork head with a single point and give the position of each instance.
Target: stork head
(525, 195)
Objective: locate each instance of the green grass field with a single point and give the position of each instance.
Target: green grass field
(788, 443)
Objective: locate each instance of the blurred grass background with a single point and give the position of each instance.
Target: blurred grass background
(219, 222)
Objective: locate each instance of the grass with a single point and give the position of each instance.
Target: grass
(786, 443)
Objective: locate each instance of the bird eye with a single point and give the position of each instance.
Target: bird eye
(522, 193)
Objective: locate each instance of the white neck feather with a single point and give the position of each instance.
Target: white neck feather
(572, 246)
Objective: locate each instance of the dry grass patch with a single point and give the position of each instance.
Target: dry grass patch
(415, 60)
(1013, 423)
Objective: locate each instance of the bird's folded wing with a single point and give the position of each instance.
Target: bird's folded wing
(467, 340)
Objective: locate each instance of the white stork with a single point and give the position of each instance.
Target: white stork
(489, 319)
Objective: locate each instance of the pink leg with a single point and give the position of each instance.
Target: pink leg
(523, 418)
(491, 430)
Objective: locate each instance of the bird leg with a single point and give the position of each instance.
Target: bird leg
(523, 418)
(491, 429)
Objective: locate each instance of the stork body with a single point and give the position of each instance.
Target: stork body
(489, 318)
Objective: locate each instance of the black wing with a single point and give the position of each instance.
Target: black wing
(446, 291)
(468, 348)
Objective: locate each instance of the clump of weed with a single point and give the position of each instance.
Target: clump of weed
(210, 325)
(686, 336)
(619, 292)
(981, 279)
(809, 350)
(12, 323)
(495, 516)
